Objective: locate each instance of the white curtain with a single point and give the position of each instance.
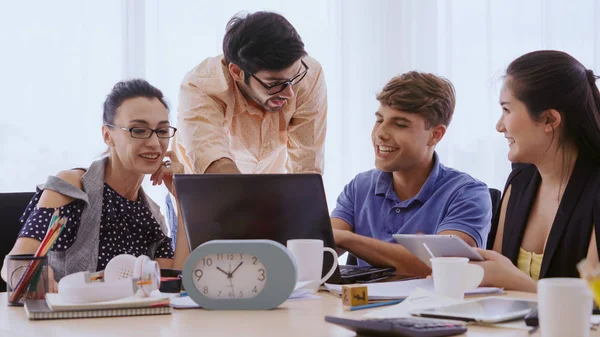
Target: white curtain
(64, 56)
(58, 59)
(471, 42)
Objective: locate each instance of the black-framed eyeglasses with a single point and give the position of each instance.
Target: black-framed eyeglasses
(279, 87)
(141, 132)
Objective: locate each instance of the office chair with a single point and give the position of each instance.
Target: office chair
(496, 196)
(12, 206)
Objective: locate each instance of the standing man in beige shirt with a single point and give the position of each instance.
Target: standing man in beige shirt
(261, 107)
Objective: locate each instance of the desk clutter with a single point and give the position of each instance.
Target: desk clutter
(28, 274)
(402, 289)
(129, 286)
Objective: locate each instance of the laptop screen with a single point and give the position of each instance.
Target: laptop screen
(277, 207)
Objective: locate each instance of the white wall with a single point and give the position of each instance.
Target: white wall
(59, 59)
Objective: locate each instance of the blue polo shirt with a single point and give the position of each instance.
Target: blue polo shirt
(449, 200)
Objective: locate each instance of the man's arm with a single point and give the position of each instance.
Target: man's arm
(377, 252)
(307, 128)
(223, 165)
(469, 215)
(201, 142)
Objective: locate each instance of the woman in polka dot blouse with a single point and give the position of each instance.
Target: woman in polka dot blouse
(137, 130)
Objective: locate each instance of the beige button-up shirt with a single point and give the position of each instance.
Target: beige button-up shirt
(216, 121)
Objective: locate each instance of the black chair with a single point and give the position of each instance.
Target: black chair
(12, 206)
(496, 200)
(496, 196)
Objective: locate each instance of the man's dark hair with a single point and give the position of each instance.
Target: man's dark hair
(261, 41)
(551, 79)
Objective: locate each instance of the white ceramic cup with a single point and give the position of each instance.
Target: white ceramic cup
(309, 260)
(452, 276)
(564, 307)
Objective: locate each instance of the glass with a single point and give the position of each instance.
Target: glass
(279, 87)
(27, 278)
(141, 132)
(591, 274)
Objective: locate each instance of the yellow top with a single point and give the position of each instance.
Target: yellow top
(530, 263)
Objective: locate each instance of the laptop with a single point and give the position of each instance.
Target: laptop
(277, 207)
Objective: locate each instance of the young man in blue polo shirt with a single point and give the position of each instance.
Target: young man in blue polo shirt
(410, 191)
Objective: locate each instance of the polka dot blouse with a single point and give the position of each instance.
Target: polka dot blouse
(126, 227)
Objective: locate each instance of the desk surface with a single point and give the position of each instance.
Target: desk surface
(293, 318)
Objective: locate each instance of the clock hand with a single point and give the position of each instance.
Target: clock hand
(224, 272)
(236, 268)
(231, 284)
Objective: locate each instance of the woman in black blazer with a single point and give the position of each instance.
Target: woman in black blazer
(551, 119)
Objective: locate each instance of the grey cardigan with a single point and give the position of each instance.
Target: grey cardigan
(83, 254)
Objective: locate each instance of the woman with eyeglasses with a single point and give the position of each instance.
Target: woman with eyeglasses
(108, 212)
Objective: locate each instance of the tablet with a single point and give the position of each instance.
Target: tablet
(439, 245)
(485, 310)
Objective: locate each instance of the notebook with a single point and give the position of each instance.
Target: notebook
(39, 310)
(56, 303)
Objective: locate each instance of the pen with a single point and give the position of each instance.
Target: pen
(374, 305)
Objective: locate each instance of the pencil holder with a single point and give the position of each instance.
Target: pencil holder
(27, 278)
(170, 281)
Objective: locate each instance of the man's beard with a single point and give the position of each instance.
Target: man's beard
(265, 105)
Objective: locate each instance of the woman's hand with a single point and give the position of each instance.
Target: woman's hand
(166, 171)
(500, 272)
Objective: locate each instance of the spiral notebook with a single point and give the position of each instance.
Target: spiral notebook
(39, 310)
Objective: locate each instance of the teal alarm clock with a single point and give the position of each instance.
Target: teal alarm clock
(239, 274)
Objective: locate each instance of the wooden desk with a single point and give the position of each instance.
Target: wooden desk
(294, 318)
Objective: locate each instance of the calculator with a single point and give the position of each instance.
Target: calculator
(399, 327)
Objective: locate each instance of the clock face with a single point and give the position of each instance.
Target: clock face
(229, 276)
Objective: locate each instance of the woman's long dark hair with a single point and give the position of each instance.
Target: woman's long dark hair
(550, 79)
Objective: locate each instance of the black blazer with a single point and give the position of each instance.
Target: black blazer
(571, 231)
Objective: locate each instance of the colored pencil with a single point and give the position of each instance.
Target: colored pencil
(54, 229)
(375, 305)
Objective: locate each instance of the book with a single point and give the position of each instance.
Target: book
(56, 303)
(39, 310)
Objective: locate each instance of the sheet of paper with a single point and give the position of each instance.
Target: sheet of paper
(302, 284)
(402, 289)
(418, 299)
(299, 293)
(57, 303)
(184, 302)
(422, 299)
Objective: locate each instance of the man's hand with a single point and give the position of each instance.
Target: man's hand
(224, 166)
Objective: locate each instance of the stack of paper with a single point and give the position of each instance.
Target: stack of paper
(402, 289)
(422, 299)
(56, 303)
(301, 292)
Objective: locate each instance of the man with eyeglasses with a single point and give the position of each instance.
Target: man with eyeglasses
(259, 108)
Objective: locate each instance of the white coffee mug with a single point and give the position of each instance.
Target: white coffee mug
(452, 276)
(309, 260)
(564, 307)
